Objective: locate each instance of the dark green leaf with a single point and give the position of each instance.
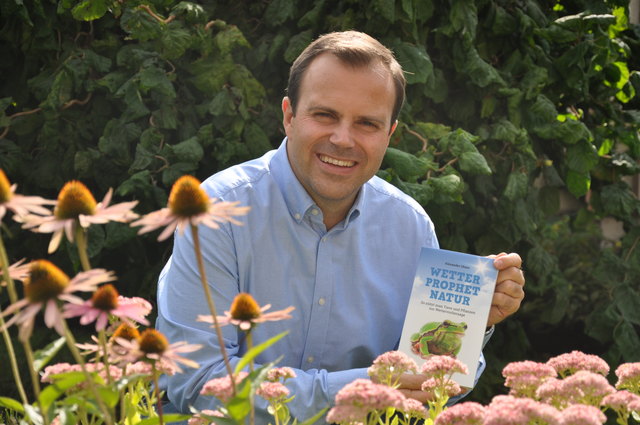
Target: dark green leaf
(582, 157)
(90, 10)
(386, 9)
(578, 182)
(415, 62)
(627, 299)
(409, 167)
(188, 151)
(474, 163)
(297, 44)
(279, 11)
(517, 186)
(627, 339)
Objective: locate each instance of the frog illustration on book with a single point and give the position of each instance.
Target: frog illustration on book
(438, 338)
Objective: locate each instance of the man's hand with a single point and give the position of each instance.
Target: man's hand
(509, 287)
(410, 386)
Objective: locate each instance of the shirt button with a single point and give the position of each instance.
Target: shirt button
(297, 216)
(321, 301)
(324, 239)
(310, 359)
(314, 211)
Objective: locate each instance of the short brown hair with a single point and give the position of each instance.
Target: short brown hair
(353, 48)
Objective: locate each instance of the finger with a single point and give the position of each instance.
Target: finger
(505, 303)
(502, 262)
(511, 274)
(411, 381)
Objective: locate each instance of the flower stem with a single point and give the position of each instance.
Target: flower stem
(252, 412)
(71, 343)
(12, 360)
(28, 351)
(81, 244)
(155, 374)
(4, 261)
(212, 306)
(103, 343)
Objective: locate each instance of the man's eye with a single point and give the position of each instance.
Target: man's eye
(370, 124)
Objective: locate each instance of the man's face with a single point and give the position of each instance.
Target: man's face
(340, 131)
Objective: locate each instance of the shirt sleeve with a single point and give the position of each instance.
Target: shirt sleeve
(181, 299)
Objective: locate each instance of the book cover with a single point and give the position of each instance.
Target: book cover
(448, 309)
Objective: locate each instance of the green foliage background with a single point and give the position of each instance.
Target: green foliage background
(520, 127)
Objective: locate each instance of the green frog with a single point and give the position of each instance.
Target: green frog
(438, 338)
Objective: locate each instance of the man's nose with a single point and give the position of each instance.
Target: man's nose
(341, 135)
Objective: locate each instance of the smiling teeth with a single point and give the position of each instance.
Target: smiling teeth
(337, 162)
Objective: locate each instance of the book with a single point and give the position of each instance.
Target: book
(448, 309)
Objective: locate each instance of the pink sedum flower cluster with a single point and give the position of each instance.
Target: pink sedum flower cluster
(569, 363)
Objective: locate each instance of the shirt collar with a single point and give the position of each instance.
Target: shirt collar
(295, 196)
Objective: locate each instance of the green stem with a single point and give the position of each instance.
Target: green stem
(102, 337)
(252, 412)
(71, 343)
(4, 261)
(81, 244)
(212, 306)
(155, 374)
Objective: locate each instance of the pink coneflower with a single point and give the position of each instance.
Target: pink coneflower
(77, 206)
(629, 377)
(582, 414)
(467, 413)
(509, 410)
(246, 313)
(587, 387)
(523, 378)
(153, 347)
(388, 367)
(569, 363)
(17, 271)
(273, 391)
(20, 205)
(439, 366)
(45, 285)
(277, 373)
(106, 302)
(222, 388)
(189, 204)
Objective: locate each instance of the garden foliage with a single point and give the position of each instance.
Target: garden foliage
(519, 132)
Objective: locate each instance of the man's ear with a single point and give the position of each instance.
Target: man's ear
(287, 112)
(393, 127)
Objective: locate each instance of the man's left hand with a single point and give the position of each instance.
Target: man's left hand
(509, 291)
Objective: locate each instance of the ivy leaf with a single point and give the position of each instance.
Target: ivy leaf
(582, 157)
(415, 62)
(407, 166)
(618, 200)
(90, 10)
(627, 300)
(386, 8)
(458, 142)
(517, 186)
(578, 183)
(153, 78)
(464, 17)
(174, 42)
(190, 12)
(626, 337)
(297, 44)
(450, 185)
(279, 11)
(474, 163)
(188, 150)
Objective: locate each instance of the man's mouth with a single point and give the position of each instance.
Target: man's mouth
(338, 162)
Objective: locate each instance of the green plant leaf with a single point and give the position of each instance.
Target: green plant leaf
(415, 62)
(168, 418)
(409, 167)
(626, 338)
(578, 183)
(90, 10)
(474, 163)
(250, 355)
(11, 404)
(42, 357)
(517, 185)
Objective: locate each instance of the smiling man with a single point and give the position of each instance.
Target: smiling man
(324, 235)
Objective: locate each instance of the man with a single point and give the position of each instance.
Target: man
(323, 235)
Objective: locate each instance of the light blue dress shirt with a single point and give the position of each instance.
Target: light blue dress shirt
(350, 285)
